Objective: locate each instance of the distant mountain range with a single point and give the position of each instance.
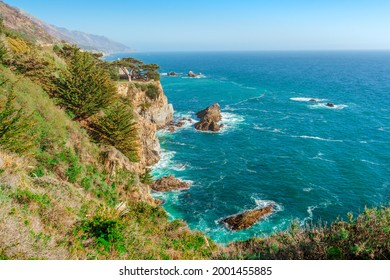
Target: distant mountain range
(47, 34)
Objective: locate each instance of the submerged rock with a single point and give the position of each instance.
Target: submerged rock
(246, 219)
(180, 124)
(209, 118)
(168, 183)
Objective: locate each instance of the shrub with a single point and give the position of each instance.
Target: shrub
(16, 130)
(105, 227)
(152, 91)
(85, 88)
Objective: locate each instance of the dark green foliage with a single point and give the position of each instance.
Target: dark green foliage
(39, 69)
(116, 128)
(152, 91)
(85, 88)
(146, 177)
(16, 130)
(151, 71)
(105, 227)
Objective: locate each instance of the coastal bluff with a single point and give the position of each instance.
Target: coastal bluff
(151, 114)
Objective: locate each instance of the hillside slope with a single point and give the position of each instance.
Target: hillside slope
(46, 34)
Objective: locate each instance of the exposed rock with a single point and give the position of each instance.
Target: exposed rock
(330, 104)
(168, 183)
(158, 201)
(114, 161)
(209, 118)
(156, 115)
(246, 219)
(312, 100)
(192, 74)
(180, 124)
(171, 129)
(172, 74)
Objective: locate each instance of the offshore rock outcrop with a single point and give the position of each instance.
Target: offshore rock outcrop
(151, 115)
(209, 118)
(247, 219)
(168, 183)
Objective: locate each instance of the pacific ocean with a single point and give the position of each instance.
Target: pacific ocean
(281, 143)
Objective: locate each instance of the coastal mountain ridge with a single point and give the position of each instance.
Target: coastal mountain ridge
(47, 34)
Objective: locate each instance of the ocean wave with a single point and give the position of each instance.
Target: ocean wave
(231, 120)
(307, 99)
(268, 129)
(165, 163)
(319, 156)
(261, 203)
(251, 99)
(317, 138)
(370, 162)
(324, 106)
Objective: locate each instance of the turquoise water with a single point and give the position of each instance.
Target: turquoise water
(314, 162)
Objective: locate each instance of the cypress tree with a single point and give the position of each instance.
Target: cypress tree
(117, 128)
(85, 88)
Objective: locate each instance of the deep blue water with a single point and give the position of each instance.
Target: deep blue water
(314, 162)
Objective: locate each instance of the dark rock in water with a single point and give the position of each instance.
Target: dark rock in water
(209, 118)
(192, 74)
(312, 100)
(172, 74)
(330, 104)
(171, 129)
(180, 124)
(247, 219)
(168, 183)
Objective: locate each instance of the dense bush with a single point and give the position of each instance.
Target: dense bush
(152, 91)
(16, 130)
(85, 88)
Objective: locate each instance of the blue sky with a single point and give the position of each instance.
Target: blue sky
(211, 25)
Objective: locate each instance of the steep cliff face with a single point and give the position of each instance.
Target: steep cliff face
(152, 113)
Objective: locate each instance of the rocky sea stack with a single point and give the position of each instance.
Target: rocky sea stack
(168, 183)
(246, 219)
(209, 118)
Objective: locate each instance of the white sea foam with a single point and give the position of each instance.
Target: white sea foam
(267, 128)
(324, 106)
(165, 162)
(307, 99)
(261, 203)
(307, 189)
(230, 120)
(317, 138)
(319, 157)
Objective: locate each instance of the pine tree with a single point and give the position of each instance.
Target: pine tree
(117, 128)
(85, 88)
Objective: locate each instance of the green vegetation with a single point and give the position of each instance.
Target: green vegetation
(116, 127)
(61, 195)
(85, 88)
(16, 129)
(364, 237)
